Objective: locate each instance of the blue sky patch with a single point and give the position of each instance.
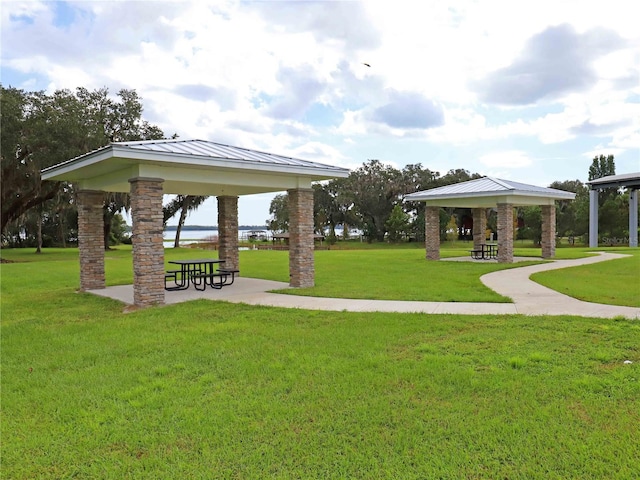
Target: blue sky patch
(321, 115)
(22, 18)
(63, 14)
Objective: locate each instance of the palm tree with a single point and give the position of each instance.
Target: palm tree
(186, 204)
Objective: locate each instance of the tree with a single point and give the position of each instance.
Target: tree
(611, 205)
(452, 229)
(397, 224)
(279, 210)
(374, 189)
(457, 176)
(115, 202)
(417, 179)
(186, 204)
(40, 130)
(532, 219)
(118, 121)
(569, 222)
(343, 204)
(613, 217)
(28, 128)
(324, 210)
(603, 167)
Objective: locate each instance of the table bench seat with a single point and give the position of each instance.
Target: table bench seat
(222, 274)
(178, 284)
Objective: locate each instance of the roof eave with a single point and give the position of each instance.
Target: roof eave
(83, 161)
(319, 172)
(417, 197)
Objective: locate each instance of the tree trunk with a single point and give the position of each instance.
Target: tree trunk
(39, 234)
(63, 233)
(183, 217)
(107, 229)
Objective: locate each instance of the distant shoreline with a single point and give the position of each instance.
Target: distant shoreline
(187, 228)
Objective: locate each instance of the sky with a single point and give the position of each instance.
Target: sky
(519, 90)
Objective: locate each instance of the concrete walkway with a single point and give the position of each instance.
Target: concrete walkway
(529, 298)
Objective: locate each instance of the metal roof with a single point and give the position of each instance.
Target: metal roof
(622, 180)
(190, 167)
(205, 149)
(490, 187)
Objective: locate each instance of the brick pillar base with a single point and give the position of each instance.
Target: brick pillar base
(91, 239)
(228, 231)
(432, 232)
(479, 227)
(505, 233)
(548, 231)
(301, 261)
(148, 249)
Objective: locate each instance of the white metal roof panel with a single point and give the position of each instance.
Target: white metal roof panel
(199, 152)
(191, 167)
(204, 148)
(486, 187)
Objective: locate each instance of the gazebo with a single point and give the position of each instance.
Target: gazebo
(489, 192)
(631, 181)
(149, 169)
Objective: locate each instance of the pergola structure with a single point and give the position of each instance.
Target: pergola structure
(149, 169)
(488, 192)
(630, 181)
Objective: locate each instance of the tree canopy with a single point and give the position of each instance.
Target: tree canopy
(39, 130)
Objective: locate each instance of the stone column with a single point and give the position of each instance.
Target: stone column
(505, 233)
(228, 231)
(301, 251)
(593, 218)
(148, 249)
(633, 218)
(479, 227)
(91, 239)
(432, 232)
(548, 231)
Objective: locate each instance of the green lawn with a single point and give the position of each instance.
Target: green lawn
(386, 273)
(215, 390)
(616, 282)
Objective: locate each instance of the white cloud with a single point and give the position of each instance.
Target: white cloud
(288, 77)
(507, 159)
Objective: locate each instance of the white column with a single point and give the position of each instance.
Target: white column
(633, 218)
(593, 218)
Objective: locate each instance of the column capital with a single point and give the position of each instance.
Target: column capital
(146, 179)
(300, 189)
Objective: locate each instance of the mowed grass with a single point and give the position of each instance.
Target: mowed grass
(388, 273)
(215, 390)
(615, 282)
(384, 274)
(392, 274)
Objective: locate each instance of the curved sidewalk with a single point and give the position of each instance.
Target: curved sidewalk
(529, 298)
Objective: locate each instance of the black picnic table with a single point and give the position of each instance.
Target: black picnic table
(198, 272)
(487, 251)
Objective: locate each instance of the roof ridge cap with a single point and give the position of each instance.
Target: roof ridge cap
(502, 183)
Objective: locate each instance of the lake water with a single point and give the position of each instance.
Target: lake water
(194, 236)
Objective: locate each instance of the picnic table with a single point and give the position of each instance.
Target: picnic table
(199, 272)
(488, 251)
